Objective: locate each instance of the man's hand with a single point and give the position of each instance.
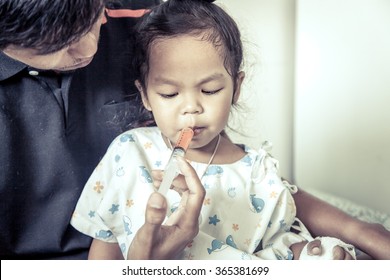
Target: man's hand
(156, 241)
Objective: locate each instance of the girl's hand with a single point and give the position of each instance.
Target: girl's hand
(314, 248)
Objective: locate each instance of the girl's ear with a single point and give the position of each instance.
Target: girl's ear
(144, 97)
(237, 92)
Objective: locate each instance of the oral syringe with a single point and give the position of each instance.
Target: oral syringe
(172, 169)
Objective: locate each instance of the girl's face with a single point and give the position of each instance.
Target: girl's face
(188, 86)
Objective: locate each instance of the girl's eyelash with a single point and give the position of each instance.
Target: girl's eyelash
(212, 91)
(170, 95)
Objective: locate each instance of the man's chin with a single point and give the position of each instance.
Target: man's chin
(75, 66)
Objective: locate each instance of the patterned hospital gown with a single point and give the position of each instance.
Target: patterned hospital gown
(247, 211)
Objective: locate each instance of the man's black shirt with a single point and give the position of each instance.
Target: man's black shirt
(54, 128)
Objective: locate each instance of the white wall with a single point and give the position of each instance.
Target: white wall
(318, 87)
(342, 99)
(268, 33)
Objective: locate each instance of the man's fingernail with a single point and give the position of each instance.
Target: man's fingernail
(156, 200)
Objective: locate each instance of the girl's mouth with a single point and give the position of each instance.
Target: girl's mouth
(197, 130)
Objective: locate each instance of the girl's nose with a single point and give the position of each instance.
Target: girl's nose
(192, 105)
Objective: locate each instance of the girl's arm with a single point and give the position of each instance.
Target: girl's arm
(101, 250)
(323, 219)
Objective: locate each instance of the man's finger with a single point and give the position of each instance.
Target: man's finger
(148, 234)
(176, 216)
(179, 184)
(157, 176)
(196, 194)
(156, 210)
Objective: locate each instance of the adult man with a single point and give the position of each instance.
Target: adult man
(57, 118)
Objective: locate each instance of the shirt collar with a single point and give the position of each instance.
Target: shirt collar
(9, 66)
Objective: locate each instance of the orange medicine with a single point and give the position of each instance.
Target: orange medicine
(172, 170)
(185, 138)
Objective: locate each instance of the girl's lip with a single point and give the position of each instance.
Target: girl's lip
(197, 130)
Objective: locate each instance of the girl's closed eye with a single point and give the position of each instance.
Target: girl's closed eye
(211, 92)
(168, 95)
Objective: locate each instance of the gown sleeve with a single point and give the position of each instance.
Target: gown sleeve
(278, 236)
(112, 205)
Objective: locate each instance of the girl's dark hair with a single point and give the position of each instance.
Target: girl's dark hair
(46, 25)
(195, 17)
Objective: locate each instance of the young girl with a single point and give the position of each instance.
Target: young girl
(188, 61)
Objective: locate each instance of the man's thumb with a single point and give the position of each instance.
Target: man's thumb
(156, 209)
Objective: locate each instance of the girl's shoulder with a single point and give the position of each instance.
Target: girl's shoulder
(229, 152)
(262, 162)
(139, 132)
(142, 137)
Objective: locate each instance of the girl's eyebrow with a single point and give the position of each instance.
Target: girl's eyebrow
(164, 80)
(213, 77)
